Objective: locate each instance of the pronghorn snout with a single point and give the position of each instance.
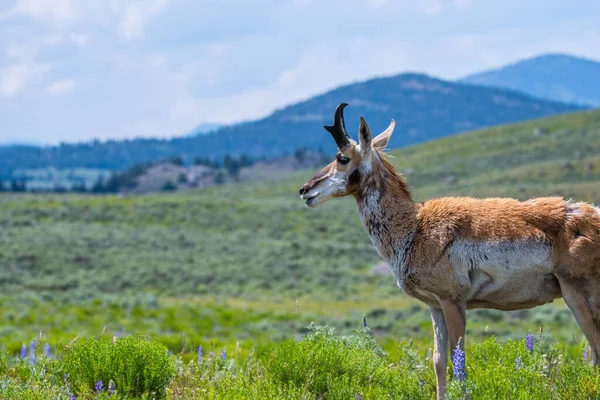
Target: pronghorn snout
(304, 189)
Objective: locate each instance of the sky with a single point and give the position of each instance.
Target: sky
(77, 70)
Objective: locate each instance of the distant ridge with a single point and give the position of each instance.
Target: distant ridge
(205, 128)
(559, 77)
(424, 108)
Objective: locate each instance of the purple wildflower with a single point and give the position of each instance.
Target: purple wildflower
(32, 356)
(364, 321)
(458, 363)
(73, 397)
(223, 354)
(529, 342)
(358, 396)
(200, 354)
(517, 363)
(112, 388)
(211, 355)
(47, 352)
(586, 354)
(99, 387)
(23, 352)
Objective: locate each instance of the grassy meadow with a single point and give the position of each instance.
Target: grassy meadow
(247, 268)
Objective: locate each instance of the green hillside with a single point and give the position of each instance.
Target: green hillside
(172, 263)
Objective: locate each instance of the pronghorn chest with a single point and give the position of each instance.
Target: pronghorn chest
(392, 246)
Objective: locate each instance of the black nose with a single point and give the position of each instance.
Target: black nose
(303, 190)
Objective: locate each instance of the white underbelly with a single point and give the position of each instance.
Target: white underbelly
(506, 274)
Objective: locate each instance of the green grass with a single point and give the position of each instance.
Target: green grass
(320, 365)
(249, 263)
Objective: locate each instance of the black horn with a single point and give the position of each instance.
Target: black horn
(338, 130)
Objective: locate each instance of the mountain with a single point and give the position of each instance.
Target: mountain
(558, 77)
(205, 128)
(424, 108)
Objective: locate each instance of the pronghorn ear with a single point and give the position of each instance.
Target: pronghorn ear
(364, 136)
(381, 141)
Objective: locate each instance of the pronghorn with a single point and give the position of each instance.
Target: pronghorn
(456, 253)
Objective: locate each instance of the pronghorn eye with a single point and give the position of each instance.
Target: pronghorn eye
(343, 160)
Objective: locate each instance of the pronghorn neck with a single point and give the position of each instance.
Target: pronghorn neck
(388, 213)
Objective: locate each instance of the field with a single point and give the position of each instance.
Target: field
(249, 264)
(48, 179)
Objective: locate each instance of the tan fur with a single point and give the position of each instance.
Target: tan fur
(455, 253)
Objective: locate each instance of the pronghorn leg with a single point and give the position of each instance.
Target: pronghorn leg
(440, 350)
(455, 312)
(588, 319)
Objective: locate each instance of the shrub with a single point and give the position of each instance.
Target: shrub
(136, 365)
(169, 187)
(338, 367)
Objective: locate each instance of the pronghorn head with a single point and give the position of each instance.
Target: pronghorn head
(343, 176)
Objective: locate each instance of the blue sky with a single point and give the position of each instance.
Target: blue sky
(73, 70)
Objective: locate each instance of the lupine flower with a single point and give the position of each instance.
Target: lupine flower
(358, 396)
(68, 387)
(364, 321)
(586, 354)
(200, 354)
(112, 388)
(32, 357)
(529, 342)
(211, 355)
(99, 387)
(23, 352)
(223, 354)
(458, 363)
(517, 363)
(47, 352)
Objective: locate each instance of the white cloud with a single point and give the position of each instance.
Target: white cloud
(16, 77)
(137, 13)
(463, 4)
(78, 39)
(60, 87)
(18, 51)
(431, 7)
(13, 78)
(158, 67)
(42, 9)
(377, 3)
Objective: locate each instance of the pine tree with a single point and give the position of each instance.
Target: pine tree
(169, 187)
(177, 160)
(113, 184)
(98, 186)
